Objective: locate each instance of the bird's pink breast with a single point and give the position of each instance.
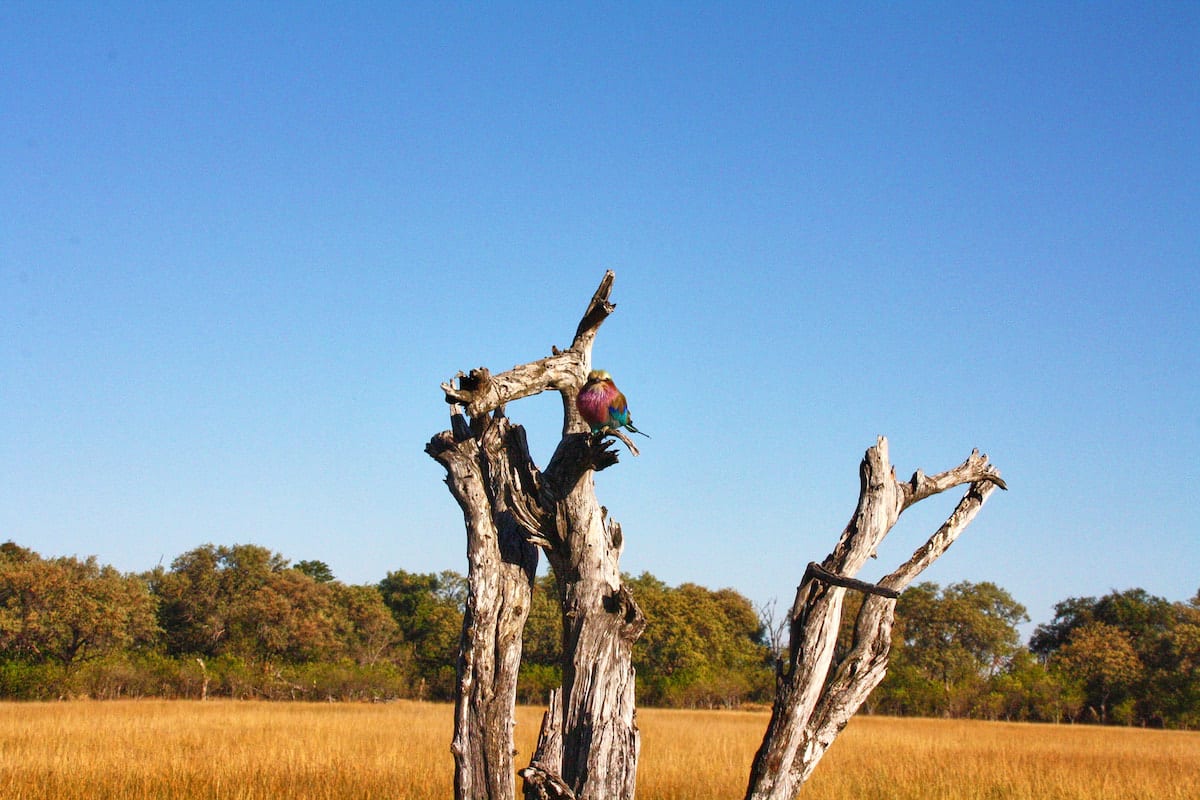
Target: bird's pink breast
(593, 404)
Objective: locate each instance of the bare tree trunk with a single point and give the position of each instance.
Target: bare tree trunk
(601, 621)
(501, 566)
(509, 506)
(815, 698)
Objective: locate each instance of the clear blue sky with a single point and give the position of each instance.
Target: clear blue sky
(240, 247)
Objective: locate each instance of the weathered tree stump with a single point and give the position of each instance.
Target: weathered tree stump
(509, 506)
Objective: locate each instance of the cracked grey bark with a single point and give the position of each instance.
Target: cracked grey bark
(509, 508)
(816, 697)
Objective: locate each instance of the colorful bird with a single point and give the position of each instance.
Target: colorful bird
(602, 405)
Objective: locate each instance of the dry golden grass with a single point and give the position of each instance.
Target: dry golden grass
(154, 750)
(707, 755)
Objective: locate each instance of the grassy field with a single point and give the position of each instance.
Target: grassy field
(154, 750)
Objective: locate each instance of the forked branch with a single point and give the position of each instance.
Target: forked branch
(815, 696)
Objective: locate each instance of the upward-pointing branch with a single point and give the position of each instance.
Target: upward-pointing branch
(816, 696)
(480, 392)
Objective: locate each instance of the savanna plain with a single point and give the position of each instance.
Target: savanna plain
(218, 750)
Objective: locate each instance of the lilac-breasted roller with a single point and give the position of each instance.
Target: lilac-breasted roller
(602, 405)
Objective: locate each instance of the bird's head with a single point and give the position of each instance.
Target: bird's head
(598, 375)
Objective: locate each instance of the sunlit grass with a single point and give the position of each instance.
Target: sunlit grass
(698, 755)
(143, 750)
(181, 749)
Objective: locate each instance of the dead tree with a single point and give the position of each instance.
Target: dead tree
(510, 506)
(589, 743)
(815, 697)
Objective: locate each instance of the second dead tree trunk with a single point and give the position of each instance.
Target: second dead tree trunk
(815, 694)
(589, 742)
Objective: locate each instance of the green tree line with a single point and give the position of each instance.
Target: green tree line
(240, 621)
